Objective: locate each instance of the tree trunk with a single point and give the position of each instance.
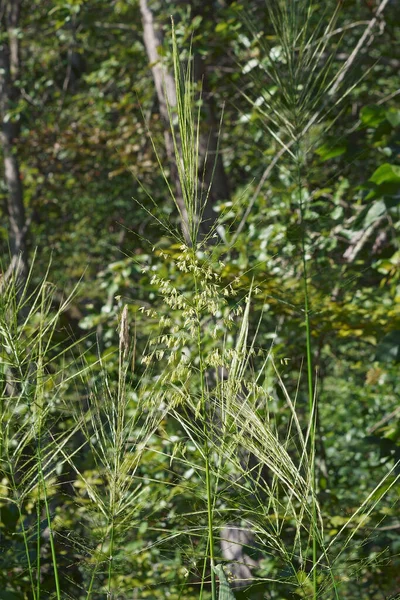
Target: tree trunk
(165, 89)
(9, 72)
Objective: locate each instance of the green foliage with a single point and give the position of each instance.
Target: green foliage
(180, 414)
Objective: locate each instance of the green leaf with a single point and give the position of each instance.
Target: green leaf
(221, 27)
(393, 116)
(337, 213)
(386, 173)
(375, 212)
(373, 115)
(385, 181)
(327, 151)
(225, 592)
(196, 21)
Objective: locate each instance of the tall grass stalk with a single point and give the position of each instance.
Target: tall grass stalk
(186, 145)
(305, 80)
(185, 131)
(206, 420)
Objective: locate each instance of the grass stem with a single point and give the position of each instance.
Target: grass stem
(203, 403)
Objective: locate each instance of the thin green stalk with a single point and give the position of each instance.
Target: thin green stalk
(118, 416)
(38, 545)
(38, 416)
(210, 522)
(312, 404)
(49, 524)
(203, 575)
(26, 544)
(24, 534)
(91, 582)
(90, 588)
(26, 547)
(112, 511)
(310, 383)
(110, 557)
(210, 503)
(312, 410)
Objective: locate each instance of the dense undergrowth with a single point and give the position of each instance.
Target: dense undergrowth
(197, 463)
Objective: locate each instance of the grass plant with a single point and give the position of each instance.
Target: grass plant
(203, 370)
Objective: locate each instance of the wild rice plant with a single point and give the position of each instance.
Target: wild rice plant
(203, 370)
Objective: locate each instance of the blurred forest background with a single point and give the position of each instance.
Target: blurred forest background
(83, 84)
